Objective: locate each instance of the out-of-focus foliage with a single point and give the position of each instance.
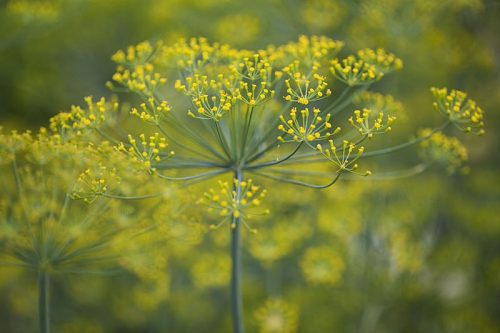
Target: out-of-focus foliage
(418, 255)
(58, 217)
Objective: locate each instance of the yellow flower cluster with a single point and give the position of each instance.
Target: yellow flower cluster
(308, 126)
(383, 61)
(443, 150)
(354, 71)
(322, 265)
(92, 184)
(254, 79)
(254, 94)
(219, 79)
(464, 113)
(190, 55)
(345, 159)
(78, 118)
(135, 55)
(135, 71)
(309, 51)
(151, 111)
(255, 68)
(368, 123)
(197, 85)
(148, 151)
(301, 88)
(212, 107)
(208, 96)
(234, 200)
(277, 316)
(141, 80)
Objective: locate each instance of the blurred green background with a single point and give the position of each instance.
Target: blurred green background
(415, 255)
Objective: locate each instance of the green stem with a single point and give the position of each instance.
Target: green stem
(222, 140)
(248, 121)
(406, 144)
(236, 299)
(271, 163)
(297, 182)
(43, 301)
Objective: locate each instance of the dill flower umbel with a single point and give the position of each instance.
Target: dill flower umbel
(353, 71)
(234, 201)
(368, 123)
(272, 113)
(463, 112)
(308, 126)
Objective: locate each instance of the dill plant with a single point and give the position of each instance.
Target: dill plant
(58, 216)
(283, 113)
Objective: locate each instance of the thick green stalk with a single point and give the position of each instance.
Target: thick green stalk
(44, 301)
(236, 299)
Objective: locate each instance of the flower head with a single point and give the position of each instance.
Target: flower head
(79, 119)
(463, 112)
(369, 123)
(383, 61)
(151, 111)
(355, 71)
(302, 88)
(147, 151)
(238, 199)
(343, 157)
(95, 182)
(310, 52)
(306, 126)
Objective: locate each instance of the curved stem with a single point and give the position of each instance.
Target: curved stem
(406, 144)
(271, 163)
(236, 299)
(395, 174)
(43, 301)
(303, 158)
(297, 182)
